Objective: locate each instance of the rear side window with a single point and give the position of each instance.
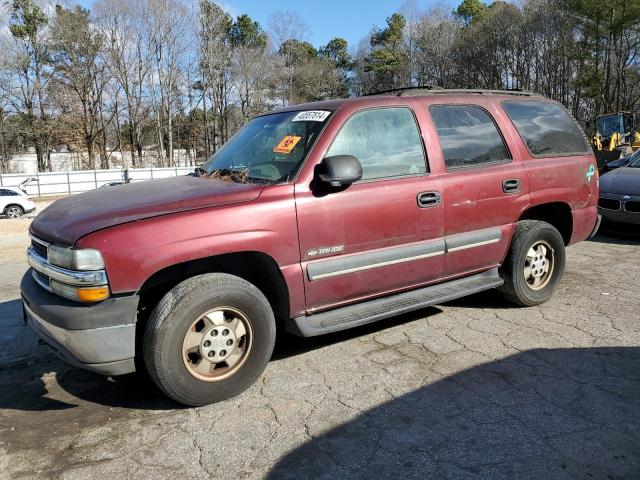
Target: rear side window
(386, 141)
(468, 136)
(546, 128)
(8, 193)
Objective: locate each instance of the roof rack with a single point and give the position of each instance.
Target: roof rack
(435, 90)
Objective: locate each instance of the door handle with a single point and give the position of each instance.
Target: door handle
(511, 185)
(428, 199)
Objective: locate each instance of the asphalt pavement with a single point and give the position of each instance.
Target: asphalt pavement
(471, 389)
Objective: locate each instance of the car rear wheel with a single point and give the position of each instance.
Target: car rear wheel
(534, 264)
(14, 211)
(209, 339)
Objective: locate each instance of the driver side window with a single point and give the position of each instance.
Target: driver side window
(386, 141)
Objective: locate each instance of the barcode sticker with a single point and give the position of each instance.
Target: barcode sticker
(311, 116)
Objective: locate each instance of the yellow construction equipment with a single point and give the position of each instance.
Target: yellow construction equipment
(616, 135)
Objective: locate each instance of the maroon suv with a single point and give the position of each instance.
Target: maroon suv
(314, 218)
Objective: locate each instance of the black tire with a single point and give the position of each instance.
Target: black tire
(528, 234)
(19, 211)
(174, 315)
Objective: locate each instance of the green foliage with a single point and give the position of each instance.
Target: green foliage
(297, 52)
(389, 55)
(27, 19)
(75, 43)
(337, 51)
(213, 16)
(247, 33)
(471, 11)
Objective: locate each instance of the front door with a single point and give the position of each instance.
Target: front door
(381, 234)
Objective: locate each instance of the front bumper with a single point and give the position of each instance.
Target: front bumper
(100, 337)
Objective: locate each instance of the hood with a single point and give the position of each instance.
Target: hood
(68, 219)
(625, 180)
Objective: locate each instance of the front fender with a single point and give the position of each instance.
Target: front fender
(134, 251)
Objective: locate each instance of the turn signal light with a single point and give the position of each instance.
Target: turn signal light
(94, 294)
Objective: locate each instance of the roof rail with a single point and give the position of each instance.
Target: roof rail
(435, 90)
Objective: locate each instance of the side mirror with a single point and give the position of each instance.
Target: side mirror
(340, 170)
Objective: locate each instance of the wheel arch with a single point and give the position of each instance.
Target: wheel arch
(255, 267)
(557, 214)
(7, 207)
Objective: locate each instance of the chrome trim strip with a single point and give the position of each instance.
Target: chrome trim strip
(37, 240)
(473, 245)
(475, 238)
(374, 265)
(70, 277)
(344, 264)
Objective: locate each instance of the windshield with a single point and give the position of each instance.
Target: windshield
(268, 149)
(635, 160)
(610, 124)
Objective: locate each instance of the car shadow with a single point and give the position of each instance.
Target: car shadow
(289, 345)
(557, 413)
(616, 236)
(29, 369)
(488, 299)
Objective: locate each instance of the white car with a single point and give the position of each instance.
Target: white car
(14, 202)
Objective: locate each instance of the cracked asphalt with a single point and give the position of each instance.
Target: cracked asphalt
(470, 389)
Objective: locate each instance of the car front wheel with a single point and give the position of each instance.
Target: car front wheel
(209, 339)
(534, 264)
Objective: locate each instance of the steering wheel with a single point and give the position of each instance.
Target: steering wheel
(266, 170)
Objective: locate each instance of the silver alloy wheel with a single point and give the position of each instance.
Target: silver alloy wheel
(14, 212)
(538, 266)
(217, 344)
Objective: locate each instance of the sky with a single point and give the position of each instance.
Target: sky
(326, 19)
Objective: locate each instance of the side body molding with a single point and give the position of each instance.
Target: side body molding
(345, 264)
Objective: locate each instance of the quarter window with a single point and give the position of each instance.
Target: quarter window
(468, 136)
(386, 141)
(546, 128)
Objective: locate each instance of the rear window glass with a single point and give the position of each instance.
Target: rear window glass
(546, 128)
(468, 137)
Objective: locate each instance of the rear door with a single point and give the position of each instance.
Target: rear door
(485, 187)
(381, 234)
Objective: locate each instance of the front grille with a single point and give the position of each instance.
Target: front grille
(39, 248)
(632, 206)
(609, 204)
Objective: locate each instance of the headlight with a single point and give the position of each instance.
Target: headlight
(75, 259)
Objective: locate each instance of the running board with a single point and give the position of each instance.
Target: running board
(381, 308)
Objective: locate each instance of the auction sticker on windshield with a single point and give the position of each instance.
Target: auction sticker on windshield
(311, 116)
(287, 144)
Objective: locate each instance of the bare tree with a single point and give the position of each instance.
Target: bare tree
(168, 24)
(128, 58)
(78, 68)
(29, 50)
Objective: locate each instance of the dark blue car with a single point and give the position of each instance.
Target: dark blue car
(620, 194)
